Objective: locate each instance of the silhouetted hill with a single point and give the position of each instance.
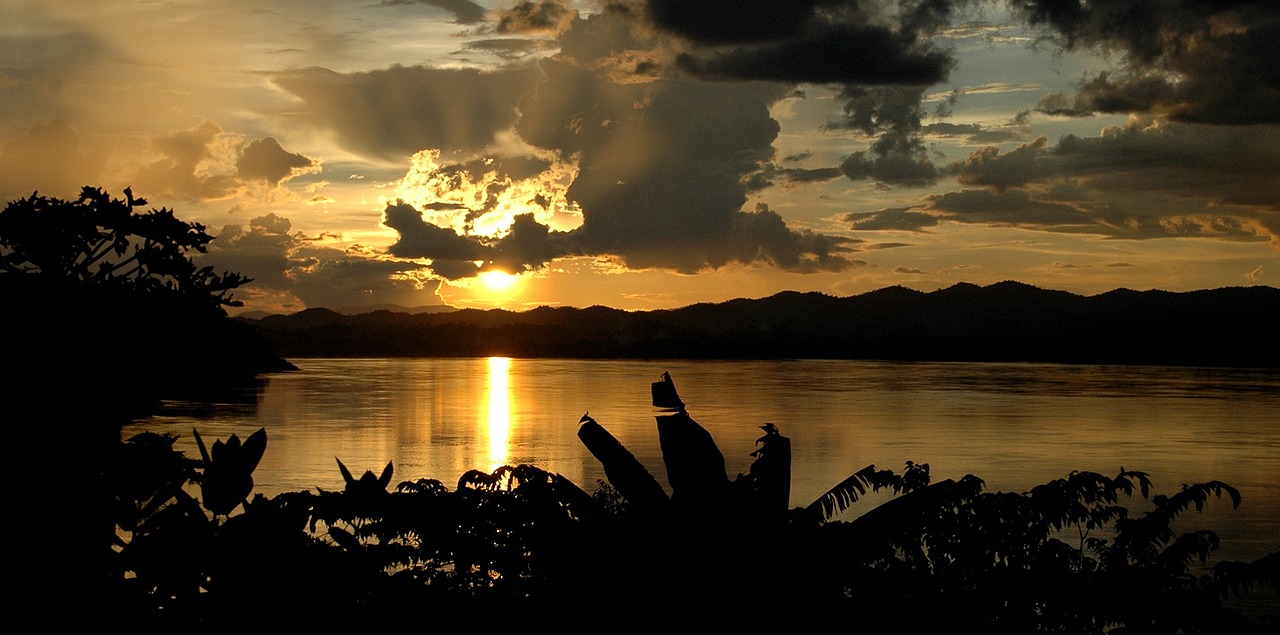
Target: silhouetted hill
(1007, 321)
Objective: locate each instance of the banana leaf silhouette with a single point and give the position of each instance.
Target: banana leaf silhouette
(228, 470)
(695, 465)
(627, 474)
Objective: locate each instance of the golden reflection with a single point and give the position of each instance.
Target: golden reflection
(499, 410)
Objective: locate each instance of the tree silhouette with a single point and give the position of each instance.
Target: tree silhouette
(104, 313)
(104, 242)
(109, 303)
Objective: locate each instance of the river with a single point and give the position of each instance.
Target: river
(1013, 425)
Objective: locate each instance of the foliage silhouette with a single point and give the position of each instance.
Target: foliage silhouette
(522, 546)
(111, 304)
(100, 241)
(105, 312)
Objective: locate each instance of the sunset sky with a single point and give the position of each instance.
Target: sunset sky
(652, 154)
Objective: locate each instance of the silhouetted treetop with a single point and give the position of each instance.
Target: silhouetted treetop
(97, 240)
(113, 311)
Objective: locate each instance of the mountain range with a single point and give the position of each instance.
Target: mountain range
(1006, 321)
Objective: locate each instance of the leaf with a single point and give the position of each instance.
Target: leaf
(346, 474)
(204, 454)
(385, 479)
(843, 494)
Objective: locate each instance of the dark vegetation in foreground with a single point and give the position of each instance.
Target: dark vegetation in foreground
(1008, 321)
(115, 533)
(522, 546)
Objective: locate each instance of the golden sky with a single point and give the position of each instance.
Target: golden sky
(653, 153)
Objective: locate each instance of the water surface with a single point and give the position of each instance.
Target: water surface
(1013, 425)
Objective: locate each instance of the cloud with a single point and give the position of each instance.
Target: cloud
(508, 48)
(37, 64)
(420, 239)
(1149, 178)
(661, 172)
(880, 53)
(664, 169)
(839, 54)
(898, 155)
(897, 218)
(208, 163)
(291, 271)
(464, 11)
(264, 160)
(1013, 207)
(975, 133)
(391, 114)
(545, 16)
(1197, 61)
(530, 245)
(261, 251)
(988, 167)
(807, 175)
(1219, 165)
(48, 158)
(732, 21)
(197, 164)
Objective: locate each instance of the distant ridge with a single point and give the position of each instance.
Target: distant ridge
(1006, 321)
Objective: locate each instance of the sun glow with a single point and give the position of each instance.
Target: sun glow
(499, 424)
(496, 281)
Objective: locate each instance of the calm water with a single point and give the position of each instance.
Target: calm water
(1014, 425)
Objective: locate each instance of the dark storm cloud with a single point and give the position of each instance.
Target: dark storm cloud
(334, 278)
(733, 21)
(898, 155)
(530, 245)
(880, 52)
(393, 113)
(1213, 164)
(1137, 217)
(664, 170)
(894, 218)
(1194, 60)
(989, 168)
(813, 41)
(844, 54)
(420, 239)
(464, 11)
(261, 251)
(894, 160)
(264, 160)
(48, 158)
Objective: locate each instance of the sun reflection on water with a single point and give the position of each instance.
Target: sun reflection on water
(499, 410)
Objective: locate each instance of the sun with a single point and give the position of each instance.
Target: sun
(496, 281)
